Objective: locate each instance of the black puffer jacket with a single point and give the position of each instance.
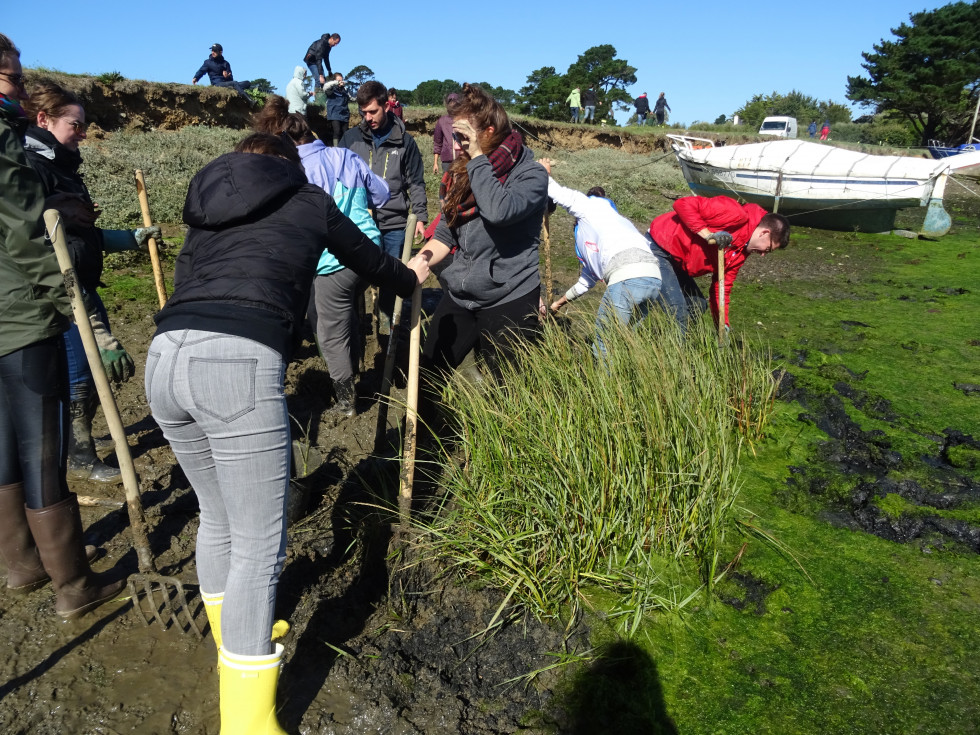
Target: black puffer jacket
(57, 168)
(257, 229)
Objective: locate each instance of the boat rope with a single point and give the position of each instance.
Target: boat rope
(956, 180)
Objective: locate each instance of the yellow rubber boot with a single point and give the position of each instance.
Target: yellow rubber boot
(212, 606)
(248, 693)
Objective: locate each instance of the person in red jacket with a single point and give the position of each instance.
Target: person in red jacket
(680, 242)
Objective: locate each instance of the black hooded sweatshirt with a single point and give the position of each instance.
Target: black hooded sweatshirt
(257, 229)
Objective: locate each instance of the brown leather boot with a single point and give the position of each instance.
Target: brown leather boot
(57, 530)
(24, 569)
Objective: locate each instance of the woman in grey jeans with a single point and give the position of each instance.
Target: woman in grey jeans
(214, 382)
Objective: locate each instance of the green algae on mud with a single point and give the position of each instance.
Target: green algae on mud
(857, 633)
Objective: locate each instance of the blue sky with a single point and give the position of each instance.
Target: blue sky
(709, 57)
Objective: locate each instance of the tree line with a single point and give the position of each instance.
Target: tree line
(926, 81)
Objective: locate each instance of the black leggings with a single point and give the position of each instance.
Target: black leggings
(339, 128)
(34, 421)
(454, 331)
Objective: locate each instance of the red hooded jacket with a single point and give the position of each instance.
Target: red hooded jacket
(676, 232)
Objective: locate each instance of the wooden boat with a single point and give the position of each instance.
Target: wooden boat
(820, 185)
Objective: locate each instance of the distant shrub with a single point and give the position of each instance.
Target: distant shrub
(110, 77)
(169, 159)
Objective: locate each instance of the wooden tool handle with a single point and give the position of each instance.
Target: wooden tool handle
(52, 220)
(411, 413)
(154, 252)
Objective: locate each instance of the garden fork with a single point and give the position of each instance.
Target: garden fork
(152, 583)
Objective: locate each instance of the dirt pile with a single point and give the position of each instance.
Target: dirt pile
(132, 104)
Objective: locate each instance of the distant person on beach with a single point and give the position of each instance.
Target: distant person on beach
(812, 130)
(318, 56)
(660, 108)
(825, 130)
(680, 242)
(574, 102)
(610, 249)
(219, 73)
(589, 99)
(642, 106)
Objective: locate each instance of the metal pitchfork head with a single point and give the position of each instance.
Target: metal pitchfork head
(162, 594)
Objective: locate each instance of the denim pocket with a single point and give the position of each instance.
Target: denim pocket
(223, 388)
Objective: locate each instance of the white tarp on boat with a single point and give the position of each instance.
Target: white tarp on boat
(799, 157)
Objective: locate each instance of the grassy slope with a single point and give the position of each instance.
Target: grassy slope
(884, 637)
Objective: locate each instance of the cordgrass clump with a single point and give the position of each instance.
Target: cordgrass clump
(585, 478)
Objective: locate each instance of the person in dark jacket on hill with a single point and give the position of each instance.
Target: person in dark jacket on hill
(318, 56)
(589, 100)
(215, 384)
(219, 73)
(52, 149)
(338, 108)
(382, 141)
(41, 534)
(660, 108)
(642, 105)
(680, 242)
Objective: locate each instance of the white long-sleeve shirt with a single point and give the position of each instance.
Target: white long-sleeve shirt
(608, 245)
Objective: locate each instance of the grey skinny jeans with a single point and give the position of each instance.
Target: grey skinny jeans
(220, 402)
(333, 316)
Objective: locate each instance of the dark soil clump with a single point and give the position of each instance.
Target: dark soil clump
(861, 481)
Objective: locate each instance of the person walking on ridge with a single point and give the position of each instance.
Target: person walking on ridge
(318, 56)
(574, 101)
(659, 108)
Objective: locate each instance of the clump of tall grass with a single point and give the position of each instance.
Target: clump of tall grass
(584, 478)
(169, 159)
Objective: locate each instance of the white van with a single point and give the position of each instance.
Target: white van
(779, 126)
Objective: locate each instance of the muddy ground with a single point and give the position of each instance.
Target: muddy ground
(378, 643)
(374, 646)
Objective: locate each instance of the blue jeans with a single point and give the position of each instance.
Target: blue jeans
(81, 384)
(679, 293)
(628, 302)
(589, 113)
(574, 114)
(392, 242)
(219, 401)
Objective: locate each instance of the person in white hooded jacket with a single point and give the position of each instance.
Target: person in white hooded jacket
(296, 95)
(610, 249)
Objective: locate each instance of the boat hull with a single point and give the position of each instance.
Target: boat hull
(852, 203)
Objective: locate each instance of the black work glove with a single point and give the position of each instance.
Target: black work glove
(722, 239)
